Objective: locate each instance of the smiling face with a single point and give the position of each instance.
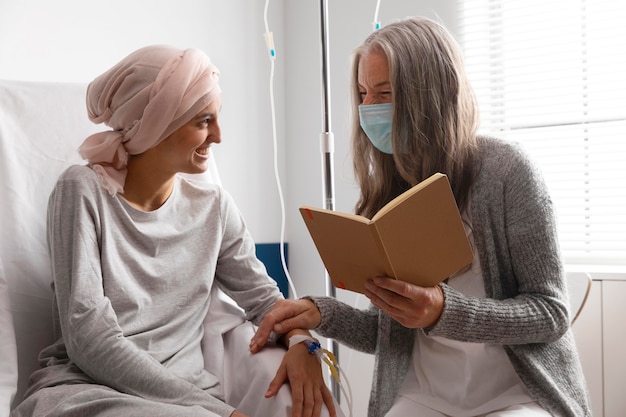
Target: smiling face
(187, 148)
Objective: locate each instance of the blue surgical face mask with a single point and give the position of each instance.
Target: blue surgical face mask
(375, 119)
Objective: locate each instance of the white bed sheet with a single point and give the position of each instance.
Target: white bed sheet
(39, 133)
(8, 349)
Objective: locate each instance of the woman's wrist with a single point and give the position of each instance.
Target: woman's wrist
(312, 344)
(286, 337)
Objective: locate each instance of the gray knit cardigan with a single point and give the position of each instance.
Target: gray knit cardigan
(526, 308)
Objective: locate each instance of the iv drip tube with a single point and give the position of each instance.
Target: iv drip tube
(327, 150)
(269, 42)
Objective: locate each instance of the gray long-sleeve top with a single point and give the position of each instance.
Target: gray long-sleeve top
(526, 308)
(132, 287)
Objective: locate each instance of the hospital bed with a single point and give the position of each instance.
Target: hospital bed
(41, 126)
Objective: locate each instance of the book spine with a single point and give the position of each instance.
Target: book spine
(381, 249)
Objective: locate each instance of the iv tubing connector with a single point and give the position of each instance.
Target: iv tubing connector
(269, 41)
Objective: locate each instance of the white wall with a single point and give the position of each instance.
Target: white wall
(73, 40)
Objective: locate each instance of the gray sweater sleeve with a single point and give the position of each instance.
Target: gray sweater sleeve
(239, 273)
(93, 338)
(353, 327)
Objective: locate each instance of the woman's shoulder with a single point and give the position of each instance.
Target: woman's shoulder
(206, 197)
(507, 165)
(500, 156)
(203, 193)
(199, 188)
(77, 174)
(78, 179)
(498, 148)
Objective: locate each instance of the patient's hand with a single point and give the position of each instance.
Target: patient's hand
(286, 315)
(303, 371)
(238, 414)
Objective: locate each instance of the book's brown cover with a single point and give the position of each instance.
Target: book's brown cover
(418, 237)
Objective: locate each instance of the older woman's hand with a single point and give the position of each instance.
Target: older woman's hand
(286, 315)
(410, 305)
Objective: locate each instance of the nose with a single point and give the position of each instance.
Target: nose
(215, 133)
(366, 100)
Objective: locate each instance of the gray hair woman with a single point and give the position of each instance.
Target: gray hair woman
(493, 339)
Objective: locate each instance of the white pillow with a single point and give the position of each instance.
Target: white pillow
(8, 350)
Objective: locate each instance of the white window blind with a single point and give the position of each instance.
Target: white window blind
(552, 76)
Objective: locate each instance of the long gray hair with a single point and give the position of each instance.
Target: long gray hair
(435, 115)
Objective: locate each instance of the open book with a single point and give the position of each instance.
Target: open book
(417, 237)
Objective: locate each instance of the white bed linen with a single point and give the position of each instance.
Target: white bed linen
(40, 128)
(8, 349)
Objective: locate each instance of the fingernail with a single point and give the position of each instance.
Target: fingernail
(279, 328)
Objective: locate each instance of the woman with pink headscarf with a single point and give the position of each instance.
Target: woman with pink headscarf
(136, 250)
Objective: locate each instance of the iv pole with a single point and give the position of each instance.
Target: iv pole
(327, 149)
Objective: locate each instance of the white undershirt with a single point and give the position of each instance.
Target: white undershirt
(459, 378)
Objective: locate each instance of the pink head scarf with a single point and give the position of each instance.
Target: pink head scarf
(144, 98)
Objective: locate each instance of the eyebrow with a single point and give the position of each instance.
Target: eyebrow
(205, 115)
